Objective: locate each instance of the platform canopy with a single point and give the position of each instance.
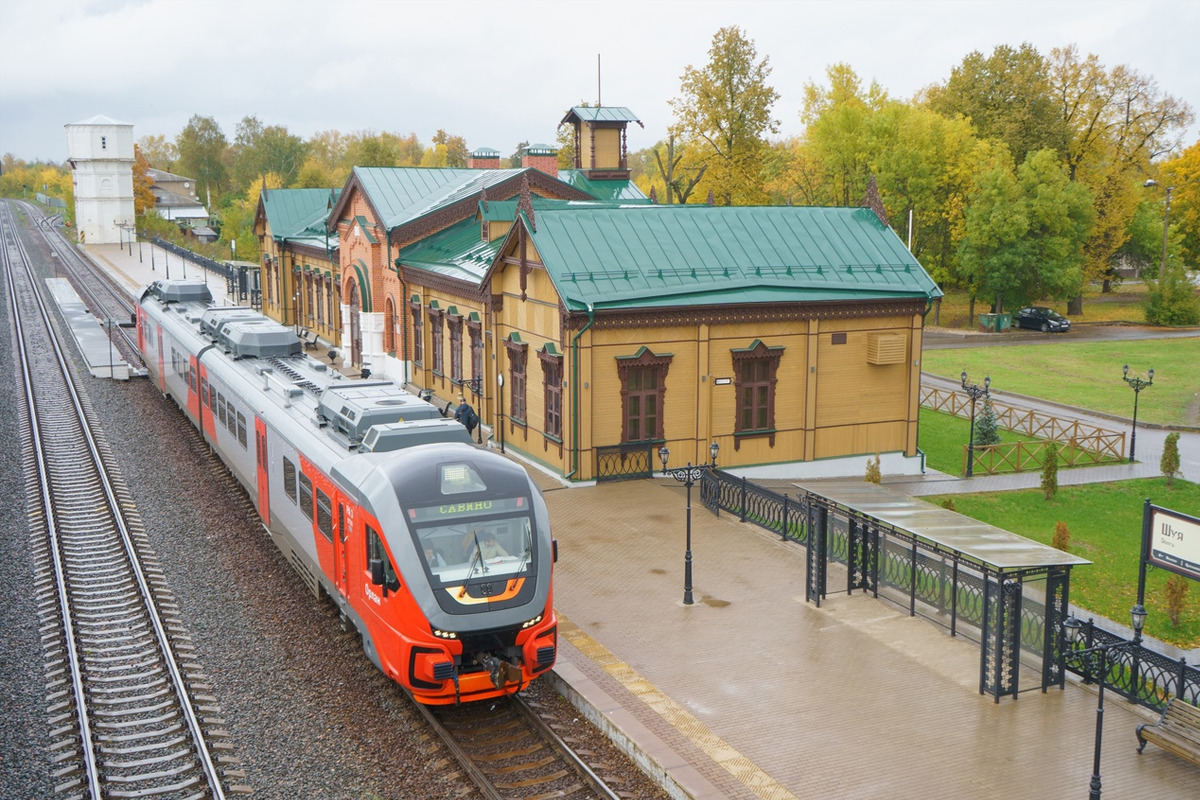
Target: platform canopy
(1003, 551)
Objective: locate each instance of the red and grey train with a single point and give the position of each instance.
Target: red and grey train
(438, 551)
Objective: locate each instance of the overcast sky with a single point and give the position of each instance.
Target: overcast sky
(502, 72)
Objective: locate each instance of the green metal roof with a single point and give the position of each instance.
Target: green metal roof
(456, 252)
(404, 194)
(299, 215)
(625, 191)
(600, 114)
(648, 255)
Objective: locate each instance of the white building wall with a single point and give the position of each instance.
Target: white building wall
(101, 154)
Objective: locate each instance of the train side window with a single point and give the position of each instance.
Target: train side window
(221, 408)
(306, 495)
(204, 390)
(324, 515)
(241, 429)
(230, 419)
(289, 479)
(376, 552)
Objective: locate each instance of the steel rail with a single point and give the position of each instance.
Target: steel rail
(95, 461)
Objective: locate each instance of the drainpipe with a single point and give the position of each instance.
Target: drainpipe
(575, 392)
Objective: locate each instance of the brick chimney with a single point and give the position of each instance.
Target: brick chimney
(542, 157)
(484, 158)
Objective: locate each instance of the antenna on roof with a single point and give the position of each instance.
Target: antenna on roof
(598, 103)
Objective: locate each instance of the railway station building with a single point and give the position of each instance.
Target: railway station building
(301, 273)
(589, 326)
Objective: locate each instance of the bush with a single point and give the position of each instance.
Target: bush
(1062, 537)
(1170, 458)
(1172, 301)
(1176, 591)
(1050, 473)
(948, 504)
(874, 473)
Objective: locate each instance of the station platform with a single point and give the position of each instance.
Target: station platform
(751, 692)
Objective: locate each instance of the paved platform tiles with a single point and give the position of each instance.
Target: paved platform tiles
(763, 695)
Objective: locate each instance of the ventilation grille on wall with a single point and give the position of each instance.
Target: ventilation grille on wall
(885, 348)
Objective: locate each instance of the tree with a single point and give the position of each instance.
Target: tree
(1170, 458)
(987, 431)
(679, 172)
(1024, 233)
(1006, 96)
(727, 106)
(837, 129)
(369, 150)
(1050, 472)
(1116, 122)
(1183, 173)
(143, 198)
(203, 151)
(158, 151)
(455, 148)
(258, 150)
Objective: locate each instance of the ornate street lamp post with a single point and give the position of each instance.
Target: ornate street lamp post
(1074, 629)
(975, 391)
(687, 476)
(1137, 384)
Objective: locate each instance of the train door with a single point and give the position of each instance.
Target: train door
(355, 326)
(341, 568)
(162, 372)
(261, 480)
(193, 381)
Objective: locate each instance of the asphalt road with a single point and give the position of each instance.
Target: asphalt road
(948, 338)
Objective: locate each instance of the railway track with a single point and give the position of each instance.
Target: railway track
(125, 695)
(510, 753)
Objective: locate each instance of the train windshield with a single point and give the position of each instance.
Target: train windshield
(484, 539)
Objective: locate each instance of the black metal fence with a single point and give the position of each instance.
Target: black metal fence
(622, 461)
(226, 271)
(1021, 613)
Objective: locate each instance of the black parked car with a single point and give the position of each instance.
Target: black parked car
(1042, 319)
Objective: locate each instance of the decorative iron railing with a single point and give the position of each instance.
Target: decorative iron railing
(624, 461)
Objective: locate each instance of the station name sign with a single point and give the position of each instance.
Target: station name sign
(1174, 542)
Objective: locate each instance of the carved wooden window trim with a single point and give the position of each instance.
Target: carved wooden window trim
(436, 355)
(475, 331)
(518, 353)
(552, 375)
(643, 378)
(756, 371)
(455, 323)
(417, 341)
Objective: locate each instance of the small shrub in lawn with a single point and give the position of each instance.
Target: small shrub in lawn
(1170, 458)
(874, 473)
(1176, 591)
(1062, 537)
(1050, 473)
(948, 504)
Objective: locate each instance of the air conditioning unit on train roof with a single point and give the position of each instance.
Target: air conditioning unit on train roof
(260, 338)
(355, 407)
(179, 292)
(399, 435)
(214, 318)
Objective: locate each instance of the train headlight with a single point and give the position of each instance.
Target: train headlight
(532, 622)
(445, 634)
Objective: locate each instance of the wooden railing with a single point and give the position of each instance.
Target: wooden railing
(1077, 443)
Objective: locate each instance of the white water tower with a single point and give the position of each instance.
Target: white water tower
(100, 151)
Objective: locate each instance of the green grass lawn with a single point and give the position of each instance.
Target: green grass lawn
(1087, 374)
(942, 438)
(1105, 521)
